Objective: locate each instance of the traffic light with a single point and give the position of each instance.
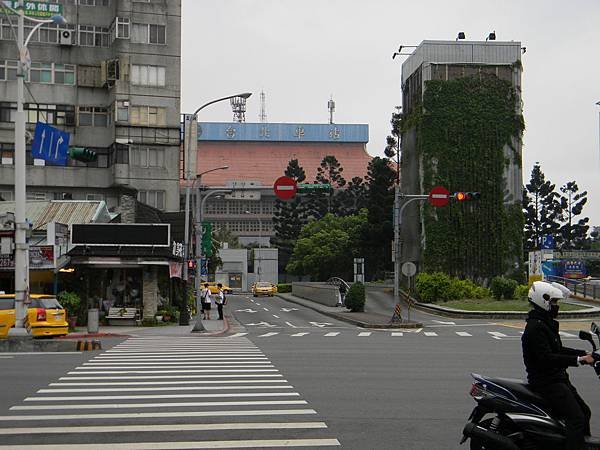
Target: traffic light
(82, 154)
(207, 239)
(466, 196)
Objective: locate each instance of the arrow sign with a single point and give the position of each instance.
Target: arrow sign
(319, 324)
(50, 144)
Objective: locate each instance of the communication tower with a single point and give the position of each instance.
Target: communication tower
(263, 108)
(331, 107)
(238, 105)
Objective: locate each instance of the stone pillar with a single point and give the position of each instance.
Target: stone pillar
(150, 292)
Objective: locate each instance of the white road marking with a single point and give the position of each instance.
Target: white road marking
(320, 324)
(497, 335)
(257, 443)
(249, 310)
(463, 333)
(39, 353)
(266, 309)
(365, 334)
(155, 405)
(289, 309)
(145, 377)
(177, 414)
(152, 383)
(567, 335)
(176, 427)
(263, 324)
(160, 396)
(291, 325)
(277, 317)
(430, 333)
(397, 334)
(268, 334)
(332, 334)
(444, 323)
(237, 335)
(299, 334)
(115, 372)
(156, 388)
(6, 357)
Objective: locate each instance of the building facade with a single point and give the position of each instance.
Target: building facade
(447, 140)
(256, 154)
(110, 78)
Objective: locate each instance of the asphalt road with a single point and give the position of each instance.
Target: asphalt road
(296, 380)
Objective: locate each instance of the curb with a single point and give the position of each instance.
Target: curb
(88, 345)
(93, 335)
(214, 333)
(356, 322)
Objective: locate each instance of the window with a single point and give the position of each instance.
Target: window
(36, 195)
(122, 28)
(148, 116)
(147, 157)
(93, 116)
(50, 114)
(97, 197)
(41, 73)
(90, 36)
(6, 196)
(143, 33)
(49, 33)
(152, 198)
(8, 70)
(52, 73)
(94, 2)
(64, 74)
(122, 110)
(147, 75)
(7, 154)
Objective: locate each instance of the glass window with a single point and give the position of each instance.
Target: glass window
(122, 111)
(122, 28)
(49, 33)
(86, 36)
(139, 33)
(158, 34)
(85, 116)
(148, 75)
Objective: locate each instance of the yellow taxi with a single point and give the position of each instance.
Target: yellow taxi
(212, 287)
(264, 288)
(45, 316)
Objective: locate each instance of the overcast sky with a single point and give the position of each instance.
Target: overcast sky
(301, 52)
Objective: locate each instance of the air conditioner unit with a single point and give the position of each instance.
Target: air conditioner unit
(66, 37)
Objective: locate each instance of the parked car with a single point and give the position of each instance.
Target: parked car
(45, 317)
(264, 288)
(212, 287)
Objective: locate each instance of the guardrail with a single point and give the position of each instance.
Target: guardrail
(584, 289)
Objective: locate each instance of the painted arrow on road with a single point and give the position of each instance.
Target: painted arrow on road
(246, 310)
(319, 324)
(260, 324)
(444, 323)
(289, 309)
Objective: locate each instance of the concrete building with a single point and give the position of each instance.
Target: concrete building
(111, 78)
(445, 61)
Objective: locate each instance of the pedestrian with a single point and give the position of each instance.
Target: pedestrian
(206, 302)
(342, 296)
(220, 300)
(546, 361)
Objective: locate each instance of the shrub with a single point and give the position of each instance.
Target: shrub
(355, 298)
(149, 322)
(432, 286)
(503, 287)
(71, 302)
(521, 292)
(284, 287)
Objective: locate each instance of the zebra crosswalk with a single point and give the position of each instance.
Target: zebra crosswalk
(167, 393)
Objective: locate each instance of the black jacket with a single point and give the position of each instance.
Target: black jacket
(546, 360)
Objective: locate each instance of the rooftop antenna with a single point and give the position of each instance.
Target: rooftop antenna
(263, 108)
(238, 105)
(331, 107)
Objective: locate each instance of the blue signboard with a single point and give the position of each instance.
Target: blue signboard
(548, 242)
(283, 132)
(50, 144)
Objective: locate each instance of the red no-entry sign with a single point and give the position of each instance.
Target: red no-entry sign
(285, 188)
(439, 196)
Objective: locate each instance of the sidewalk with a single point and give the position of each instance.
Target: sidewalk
(212, 327)
(361, 319)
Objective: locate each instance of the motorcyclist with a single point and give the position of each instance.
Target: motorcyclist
(546, 361)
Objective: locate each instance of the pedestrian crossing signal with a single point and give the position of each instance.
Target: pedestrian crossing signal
(466, 196)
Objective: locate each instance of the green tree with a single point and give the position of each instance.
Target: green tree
(327, 247)
(289, 217)
(542, 209)
(223, 235)
(320, 203)
(380, 232)
(392, 148)
(353, 198)
(573, 234)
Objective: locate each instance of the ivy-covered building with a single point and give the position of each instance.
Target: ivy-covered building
(462, 126)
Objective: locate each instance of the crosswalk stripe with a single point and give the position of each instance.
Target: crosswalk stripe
(156, 405)
(158, 377)
(155, 415)
(268, 334)
(114, 372)
(152, 383)
(257, 443)
(299, 334)
(396, 333)
(463, 333)
(176, 427)
(159, 396)
(496, 334)
(158, 388)
(176, 366)
(237, 335)
(430, 333)
(332, 334)
(364, 333)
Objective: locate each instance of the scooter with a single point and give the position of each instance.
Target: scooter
(510, 416)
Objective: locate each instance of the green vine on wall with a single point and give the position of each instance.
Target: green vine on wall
(462, 129)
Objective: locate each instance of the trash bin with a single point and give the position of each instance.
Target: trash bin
(93, 320)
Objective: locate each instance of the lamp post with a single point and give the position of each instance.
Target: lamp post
(259, 243)
(21, 227)
(187, 147)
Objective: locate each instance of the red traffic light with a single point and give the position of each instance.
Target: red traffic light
(460, 196)
(466, 196)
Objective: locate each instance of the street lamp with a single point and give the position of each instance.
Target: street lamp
(21, 227)
(187, 145)
(259, 243)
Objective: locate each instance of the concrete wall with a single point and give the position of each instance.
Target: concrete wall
(234, 261)
(325, 294)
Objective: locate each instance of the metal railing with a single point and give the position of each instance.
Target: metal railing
(586, 289)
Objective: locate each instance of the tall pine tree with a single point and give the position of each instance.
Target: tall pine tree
(542, 209)
(354, 197)
(320, 203)
(289, 217)
(573, 234)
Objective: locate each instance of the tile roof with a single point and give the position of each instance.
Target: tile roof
(40, 213)
(265, 162)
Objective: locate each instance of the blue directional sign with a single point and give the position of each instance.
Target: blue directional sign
(548, 242)
(50, 144)
(204, 267)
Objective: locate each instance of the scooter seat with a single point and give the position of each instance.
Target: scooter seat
(520, 389)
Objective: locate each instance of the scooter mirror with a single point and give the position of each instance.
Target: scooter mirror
(587, 336)
(595, 329)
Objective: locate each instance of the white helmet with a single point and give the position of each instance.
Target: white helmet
(542, 292)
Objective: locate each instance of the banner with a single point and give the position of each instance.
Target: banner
(175, 269)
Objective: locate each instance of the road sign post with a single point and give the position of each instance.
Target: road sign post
(285, 188)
